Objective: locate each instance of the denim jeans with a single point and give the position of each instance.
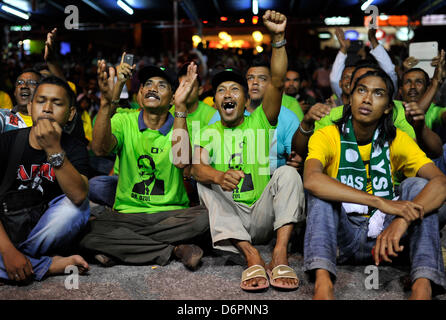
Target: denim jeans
(57, 228)
(441, 161)
(329, 228)
(103, 190)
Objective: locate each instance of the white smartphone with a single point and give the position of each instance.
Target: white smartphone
(424, 52)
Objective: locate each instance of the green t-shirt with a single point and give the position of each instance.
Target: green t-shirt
(399, 119)
(245, 147)
(201, 117)
(433, 116)
(148, 180)
(292, 104)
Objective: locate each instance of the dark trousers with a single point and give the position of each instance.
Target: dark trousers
(141, 238)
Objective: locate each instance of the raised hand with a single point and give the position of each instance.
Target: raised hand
(49, 45)
(439, 64)
(372, 38)
(410, 63)
(345, 43)
(274, 21)
(316, 113)
(106, 81)
(185, 87)
(124, 70)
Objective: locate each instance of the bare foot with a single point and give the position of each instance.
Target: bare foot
(421, 290)
(59, 264)
(280, 256)
(323, 288)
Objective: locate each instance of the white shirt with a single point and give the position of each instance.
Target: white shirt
(380, 55)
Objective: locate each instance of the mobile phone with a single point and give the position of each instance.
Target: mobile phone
(128, 58)
(424, 52)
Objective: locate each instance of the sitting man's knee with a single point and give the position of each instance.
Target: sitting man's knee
(410, 187)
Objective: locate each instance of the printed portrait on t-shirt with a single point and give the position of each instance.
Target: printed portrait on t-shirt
(149, 185)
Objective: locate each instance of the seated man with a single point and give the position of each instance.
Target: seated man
(258, 78)
(55, 164)
(151, 219)
(18, 117)
(352, 206)
(403, 119)
(231, 163)
(292, 88)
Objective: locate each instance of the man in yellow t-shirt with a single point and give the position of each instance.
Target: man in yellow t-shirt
(352, 204)
(18, 117)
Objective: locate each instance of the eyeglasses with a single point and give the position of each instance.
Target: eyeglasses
(27, 82)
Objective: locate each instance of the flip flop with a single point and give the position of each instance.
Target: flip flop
(255, 271)
(283, 271)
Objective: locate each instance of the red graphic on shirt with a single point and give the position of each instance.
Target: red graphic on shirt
(13, 120)
(45, 171)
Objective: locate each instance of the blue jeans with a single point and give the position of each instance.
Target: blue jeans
(329, 228)
(103, 190)
(441, 162)
(57, 228)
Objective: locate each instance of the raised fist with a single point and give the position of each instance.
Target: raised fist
(274, 21)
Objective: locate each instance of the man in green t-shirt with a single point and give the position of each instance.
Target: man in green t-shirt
(231, 163)
(417, 88)
(151, 219)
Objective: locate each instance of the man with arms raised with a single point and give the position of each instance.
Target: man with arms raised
(246, 206)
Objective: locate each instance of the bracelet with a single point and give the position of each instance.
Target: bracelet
(180, 114)
(305, 133)
(278, 44)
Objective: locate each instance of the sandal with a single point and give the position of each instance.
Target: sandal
(255, 271)
(283, 271)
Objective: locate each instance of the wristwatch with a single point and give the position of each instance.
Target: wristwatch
(180, 114)
(56, 159)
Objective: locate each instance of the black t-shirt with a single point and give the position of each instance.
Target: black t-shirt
(34, 171)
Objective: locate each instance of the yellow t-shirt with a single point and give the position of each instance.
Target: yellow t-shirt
(27, 119)
(405, 155)
(86, 121)
(5, 100)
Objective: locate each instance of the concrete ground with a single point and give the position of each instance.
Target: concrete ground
(217, 279)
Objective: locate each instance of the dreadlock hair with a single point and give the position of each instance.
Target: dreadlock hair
(385, 125)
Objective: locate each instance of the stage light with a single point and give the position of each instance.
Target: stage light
(255, 19)
(255, 7)
(196, 39)
(15, 12)
(124, 6)
(259, 49)
(205, 21)
(257, 36)
(242, 21)
(223, 18)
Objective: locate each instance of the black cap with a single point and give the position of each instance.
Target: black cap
(154, 71)
(229, 74)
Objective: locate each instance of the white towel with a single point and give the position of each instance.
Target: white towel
(376, 222)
